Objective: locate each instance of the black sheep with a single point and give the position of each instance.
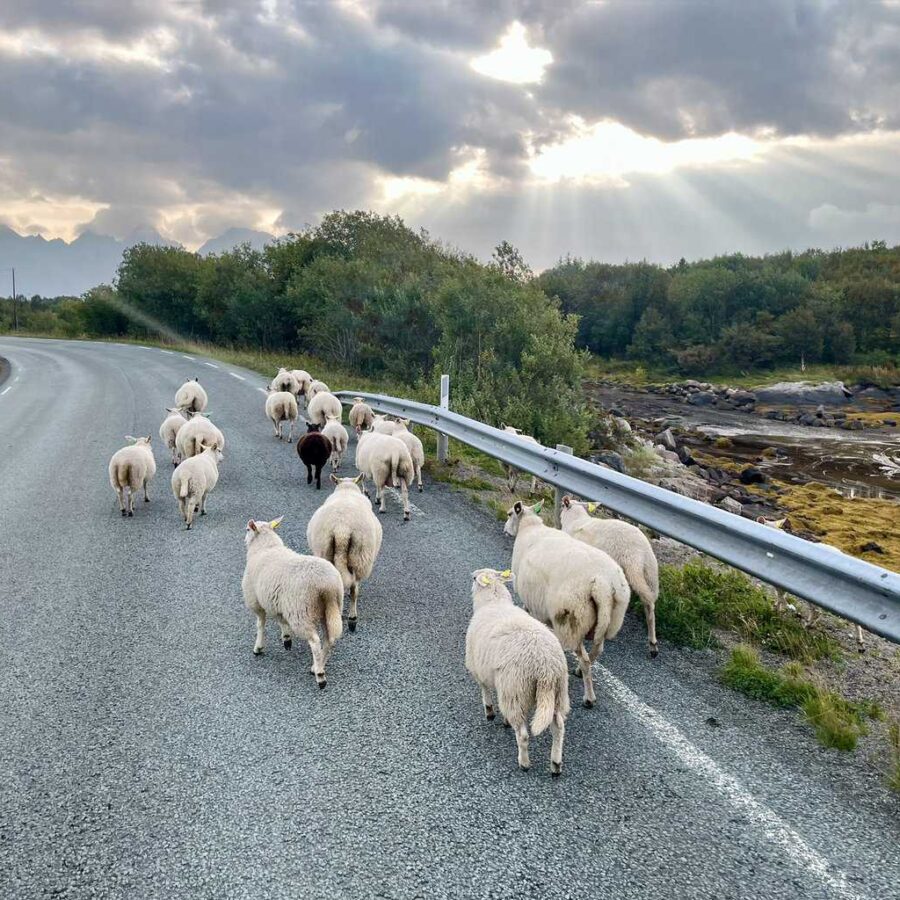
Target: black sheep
(314, 450)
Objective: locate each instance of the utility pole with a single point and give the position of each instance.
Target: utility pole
(15, 302)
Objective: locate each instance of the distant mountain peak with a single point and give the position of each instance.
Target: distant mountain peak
(233, 237)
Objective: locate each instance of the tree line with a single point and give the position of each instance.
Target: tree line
(736, 312)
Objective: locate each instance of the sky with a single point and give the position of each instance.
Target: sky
(613, 130)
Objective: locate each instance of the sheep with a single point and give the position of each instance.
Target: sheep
(281, 406)
(383, 425)
(512, 475)
(385, 459)
(192, 481)
(314, 450)
(323, 405)
(303, 379)
(361, 416)
(131, 468)
(193, 433)
(191, 397)
(513, 654)
(813, 612)
(337, 434)
(285, 381)
(575, 589)
(414, 445)
(302, 593)
(171, 424)
(316, 387)
(628, 546)
(346, 532)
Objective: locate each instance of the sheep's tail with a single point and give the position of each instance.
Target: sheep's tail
(545, 705)
(611, 599)
(123, 475)
(183, 489)
(400, 470)
(340, 558)
(334, 625)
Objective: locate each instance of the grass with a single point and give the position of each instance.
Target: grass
(696, 601)
(893, 779)
(845, 523)
(838, 723)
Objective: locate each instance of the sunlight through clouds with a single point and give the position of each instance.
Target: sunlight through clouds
(514, 60)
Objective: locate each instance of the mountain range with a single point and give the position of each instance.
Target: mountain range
(56, 267)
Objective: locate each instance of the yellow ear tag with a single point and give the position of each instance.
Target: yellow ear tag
(484, 579)
(506, 573)
(275, 523)
(591, 507)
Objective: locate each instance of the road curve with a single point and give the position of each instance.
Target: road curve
(147, 753)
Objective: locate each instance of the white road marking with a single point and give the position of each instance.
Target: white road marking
(5, 391)
(167, 351)
(772, 825)
(211, 365)
(191, 358)
(262, 390)
(393, 492)
(15, 379)
(142, 347)
(235, 375)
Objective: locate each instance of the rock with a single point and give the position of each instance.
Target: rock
(730, 505)
(667, 455)
(616, 411)
(702, 398)
(612, 459)
(820, 411)
(752, 475)
(828, 392)
(818, 423)
(742, 398)
(806, 419)
(686, 457)
(871, 547)
(667, 439)
(622, 424)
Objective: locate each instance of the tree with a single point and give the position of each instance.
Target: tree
(653, 340)
(511, 263)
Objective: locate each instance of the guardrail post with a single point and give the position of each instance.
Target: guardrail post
(443, 441)
(557, 493)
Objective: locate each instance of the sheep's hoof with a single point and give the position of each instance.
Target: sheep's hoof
(420, 488)
(146, 499)
(286, 643)
(588, 704)
(131, 513)
(524, 768)
(321, 683)
(351, 624)
(257, 651)
(860, 650)
(381, 511)
(654, 651)
(124, 513)
(406, 517)
(187, 527)
(577, 671)
(489, 713)
(555, 770)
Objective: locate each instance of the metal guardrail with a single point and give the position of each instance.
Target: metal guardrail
(850, 587)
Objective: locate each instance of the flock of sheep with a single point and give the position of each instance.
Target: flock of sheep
(575, 583)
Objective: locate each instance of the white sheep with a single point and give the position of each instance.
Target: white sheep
(339, 437)
(170, 426)
(303, 593)
(385, 460)
(323, 405)
(512, 475)
(303, 379)
(575, 589)
(513, 654)
(194, 433)
(346, 532)
(281, 407)
(384, 425)
(316, 387)
(285, 381)
(192, 481)
(628, 546)
(191, 396)
(130, 469)
(361, 416)
(414, 445)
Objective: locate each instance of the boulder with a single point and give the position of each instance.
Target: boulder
(752, 475)
(742, 398)
(612, 459)
(684, 454)
(667, 439)
(731, 505)
(804, 392)
(702, 398)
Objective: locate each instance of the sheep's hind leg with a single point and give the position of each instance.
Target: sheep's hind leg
(650, 616)
(558, 731)
(354, 601)
(487, 701)
(130, 501)
(585, 664)
(318, 657)
(522, 744)
(146, 495)
(285, 633)
(260, 644)
(120, 494)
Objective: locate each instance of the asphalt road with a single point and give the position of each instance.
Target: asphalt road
(145, 752)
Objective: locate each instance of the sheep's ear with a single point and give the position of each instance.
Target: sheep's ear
(485, 579)
(149, 438)
(518, 507)
(567, 501)
(538, 507)
(275, 523)
(358, 478)
(507, 575)
(251, 526)
(335, 479)
(130, 437)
